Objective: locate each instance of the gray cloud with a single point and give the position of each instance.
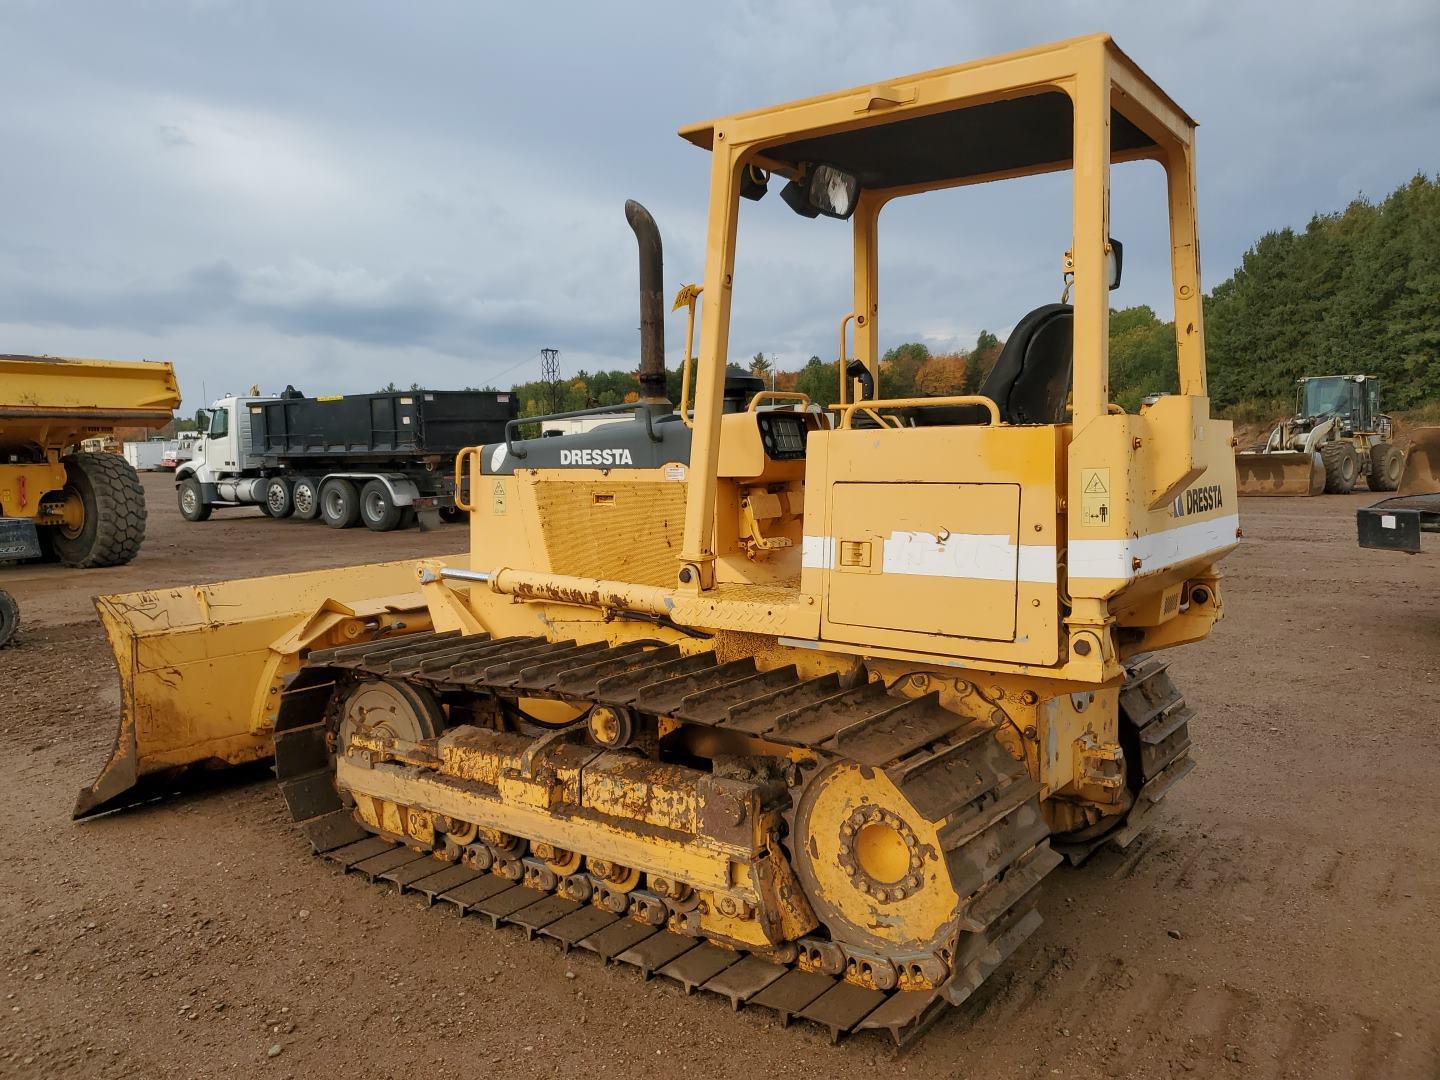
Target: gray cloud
(357, 191)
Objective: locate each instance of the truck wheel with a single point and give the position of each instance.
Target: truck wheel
(305, 494)
(339, 504)
(377, 508)
(105, 508)
(1386, 465)
(191, 498)
(9, 618)
(279, 500)
(1342, 467)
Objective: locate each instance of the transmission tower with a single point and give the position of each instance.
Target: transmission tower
(550, 376)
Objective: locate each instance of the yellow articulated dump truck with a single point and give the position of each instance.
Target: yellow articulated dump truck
(796, 706)
(56, 499)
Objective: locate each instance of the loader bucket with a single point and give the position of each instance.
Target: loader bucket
(1422, 463)
(200, 666)
(1285, 473)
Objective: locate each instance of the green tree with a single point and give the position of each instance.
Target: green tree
(1142, 356)
(898, 368)
(760, 365)
(981, 359)
(820, 381)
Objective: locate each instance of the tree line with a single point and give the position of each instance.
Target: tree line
(1355, 292)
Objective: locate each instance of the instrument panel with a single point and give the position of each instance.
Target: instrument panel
(783, 435)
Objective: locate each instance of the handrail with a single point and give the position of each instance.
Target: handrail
(460, 503)
(632, 406)
(844, 378)
(689, 296)
(848, 410)
(779, 395)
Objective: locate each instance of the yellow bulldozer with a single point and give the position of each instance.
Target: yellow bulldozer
(796, 705)
(1337, 435)
(59, 500)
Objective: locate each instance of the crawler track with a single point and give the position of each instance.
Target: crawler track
(951, 769)
(1155, 735)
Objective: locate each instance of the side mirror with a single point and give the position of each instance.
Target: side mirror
(1114, 262)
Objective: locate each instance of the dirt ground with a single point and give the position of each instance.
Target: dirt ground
(1280, 919)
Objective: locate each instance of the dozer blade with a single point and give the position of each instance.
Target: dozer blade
(1288, 472)
(1422, 463)
(198, 666)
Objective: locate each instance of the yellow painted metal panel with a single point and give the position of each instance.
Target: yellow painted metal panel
(944, 555)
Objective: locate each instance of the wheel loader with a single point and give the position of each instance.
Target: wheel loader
(58, 500)
(797, 706)
(1337, 435)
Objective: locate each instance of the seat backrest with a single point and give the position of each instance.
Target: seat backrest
(1031, 379)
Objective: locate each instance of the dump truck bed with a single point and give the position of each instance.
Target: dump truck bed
(420, 423)
(57, 401)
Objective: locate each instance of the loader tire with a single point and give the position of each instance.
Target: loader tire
(9, 618)
(1386, 465)
(112, 502)
(1342, 468)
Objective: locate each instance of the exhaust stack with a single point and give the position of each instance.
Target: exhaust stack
(652, 310)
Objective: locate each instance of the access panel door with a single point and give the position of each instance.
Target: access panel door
(925, 558)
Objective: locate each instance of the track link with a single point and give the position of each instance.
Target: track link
(1155, 735)
(949, 767)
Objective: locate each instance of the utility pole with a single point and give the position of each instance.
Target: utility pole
(550, 375)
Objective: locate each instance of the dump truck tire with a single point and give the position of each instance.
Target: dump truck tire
(339, 504)
(9, 618)
(377, 509)
(279, 498)
(1342, 468)
(113, 503)
(306, 497)
(191, 499)
(1386, 465)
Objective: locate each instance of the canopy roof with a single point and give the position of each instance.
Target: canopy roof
(964, 122)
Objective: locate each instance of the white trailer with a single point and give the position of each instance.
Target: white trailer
(145, 456)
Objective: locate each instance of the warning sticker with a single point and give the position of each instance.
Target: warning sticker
(1094, 496)
(497, 506)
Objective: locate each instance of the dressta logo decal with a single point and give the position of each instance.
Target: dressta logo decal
(596, 457)
(1197, 501)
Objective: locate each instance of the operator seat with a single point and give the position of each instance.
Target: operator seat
(1031, 378)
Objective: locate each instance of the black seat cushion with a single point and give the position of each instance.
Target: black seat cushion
(1030, 381)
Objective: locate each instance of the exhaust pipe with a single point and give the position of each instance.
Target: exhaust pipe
(652, 309)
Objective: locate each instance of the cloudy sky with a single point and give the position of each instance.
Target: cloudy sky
(343, 194)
